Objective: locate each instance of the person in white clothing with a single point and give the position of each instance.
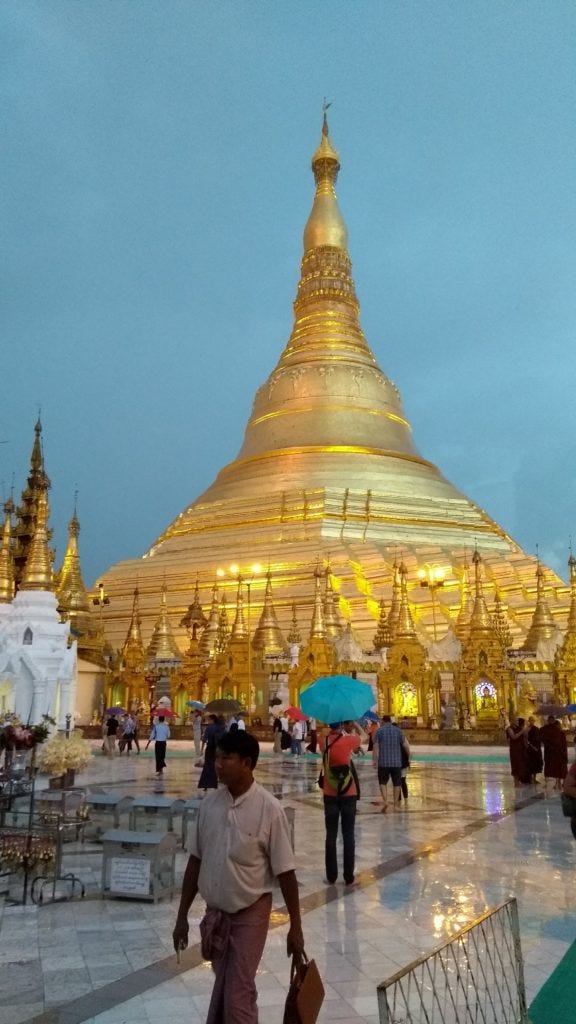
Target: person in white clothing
(241, 723)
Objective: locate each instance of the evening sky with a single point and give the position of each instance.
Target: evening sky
(155, 184)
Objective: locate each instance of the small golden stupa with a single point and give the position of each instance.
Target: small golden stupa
(328, 474)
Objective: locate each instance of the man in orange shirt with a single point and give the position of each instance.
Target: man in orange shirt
(340, 789)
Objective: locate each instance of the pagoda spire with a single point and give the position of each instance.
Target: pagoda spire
(294, 636)
(542, 626)
(194, 619)
(37, 484)
(571, 624)
(382, 636)
(73, 601)
(462, 625)
(480, 618)
(223, 626)
(405, 627)
(394, 613)
(38, 569)
(268, 636)
(332, 622)
(239, 631)
(209, 638)
(134, 636)
(500, 624)
(163, 646)
(6, 558)
(317, 626)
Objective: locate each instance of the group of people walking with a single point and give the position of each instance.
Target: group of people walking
(536, 750)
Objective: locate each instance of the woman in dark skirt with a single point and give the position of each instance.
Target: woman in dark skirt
(208, 778)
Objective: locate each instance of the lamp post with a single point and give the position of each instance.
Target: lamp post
(432, 579)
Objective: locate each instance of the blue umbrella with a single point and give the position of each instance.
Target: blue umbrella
(371, 716)
(195, 704)
(336, 699)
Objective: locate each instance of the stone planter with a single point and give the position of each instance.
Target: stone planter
(64, 781)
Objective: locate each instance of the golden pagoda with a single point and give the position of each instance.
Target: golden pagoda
(565, 660)
(7, 576)
(37, 484)
(132, 689)
(403, 680)
(38, 574)
(328, 473)
(73, 601)
(484, 680)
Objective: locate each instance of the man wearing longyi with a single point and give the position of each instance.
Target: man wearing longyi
(239, 844)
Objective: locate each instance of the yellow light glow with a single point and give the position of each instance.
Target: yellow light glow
(256, 568)
(220, 572)
(234, 569)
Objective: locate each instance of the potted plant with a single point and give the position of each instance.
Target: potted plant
(62, 757)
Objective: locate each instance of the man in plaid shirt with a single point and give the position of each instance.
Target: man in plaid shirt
(388, 743)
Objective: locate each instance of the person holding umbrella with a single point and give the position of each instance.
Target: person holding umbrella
(339, 784)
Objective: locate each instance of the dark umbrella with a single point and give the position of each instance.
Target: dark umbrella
(223, 705)
(275, 702)
(552, 709)
(115, 711)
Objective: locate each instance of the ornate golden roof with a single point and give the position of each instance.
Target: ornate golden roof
(6, 558)
(38, 569)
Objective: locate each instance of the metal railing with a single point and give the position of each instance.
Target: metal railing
(475, 978)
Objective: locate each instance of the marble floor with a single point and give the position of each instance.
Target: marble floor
(464, 842)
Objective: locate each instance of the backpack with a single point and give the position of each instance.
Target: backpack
(340, 776)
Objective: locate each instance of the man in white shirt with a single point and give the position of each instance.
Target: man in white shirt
(239, 844)
(241, 723)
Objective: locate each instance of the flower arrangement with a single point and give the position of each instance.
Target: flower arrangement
(17, 736)
(61, 755)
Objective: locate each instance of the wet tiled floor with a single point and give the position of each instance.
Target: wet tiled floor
(463, 843)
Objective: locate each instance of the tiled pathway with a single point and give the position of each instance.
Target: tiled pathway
(463, 844)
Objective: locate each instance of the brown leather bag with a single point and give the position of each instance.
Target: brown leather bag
(306, 992)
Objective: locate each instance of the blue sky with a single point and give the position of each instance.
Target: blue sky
(155, 184)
